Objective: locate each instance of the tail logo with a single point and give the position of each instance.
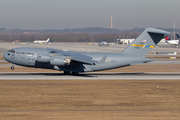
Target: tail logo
(167, 38)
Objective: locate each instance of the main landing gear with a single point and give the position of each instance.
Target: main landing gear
(71, 73)
(67, 72)
(12, 67)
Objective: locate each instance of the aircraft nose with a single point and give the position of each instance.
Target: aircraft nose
(5, 56)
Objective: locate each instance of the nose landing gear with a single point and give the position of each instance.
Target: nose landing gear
(12, 67)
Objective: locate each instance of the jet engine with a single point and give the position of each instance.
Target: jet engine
(43, 58)
(59, 61)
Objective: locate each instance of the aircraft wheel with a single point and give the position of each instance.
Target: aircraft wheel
(75, 73)
(12, 68)
(66, 72)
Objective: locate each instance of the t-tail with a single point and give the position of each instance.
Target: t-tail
(145, 42)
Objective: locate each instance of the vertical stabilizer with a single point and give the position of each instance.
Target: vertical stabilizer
(178, 37)
(145, 42)
(47, 40)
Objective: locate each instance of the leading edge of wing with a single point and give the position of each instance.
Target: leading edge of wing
(85, 61)
(75, 56)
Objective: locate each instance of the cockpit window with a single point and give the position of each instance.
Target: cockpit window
(11, 51)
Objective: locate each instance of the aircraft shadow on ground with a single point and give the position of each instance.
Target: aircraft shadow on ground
(80, 75)
(89, 74)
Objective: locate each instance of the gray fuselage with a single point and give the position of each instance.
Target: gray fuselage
(29, 57)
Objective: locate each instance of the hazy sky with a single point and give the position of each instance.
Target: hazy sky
(62, 14)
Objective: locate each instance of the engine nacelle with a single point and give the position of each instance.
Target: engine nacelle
(59, 61)
(43, 58)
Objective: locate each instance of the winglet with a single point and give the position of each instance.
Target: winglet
(103, 59)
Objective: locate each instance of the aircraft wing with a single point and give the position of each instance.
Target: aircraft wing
(91, 62)
(79, 57)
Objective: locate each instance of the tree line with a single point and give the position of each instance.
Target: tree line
(68, 37)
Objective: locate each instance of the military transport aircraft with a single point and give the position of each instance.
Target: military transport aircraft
(76, 62)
